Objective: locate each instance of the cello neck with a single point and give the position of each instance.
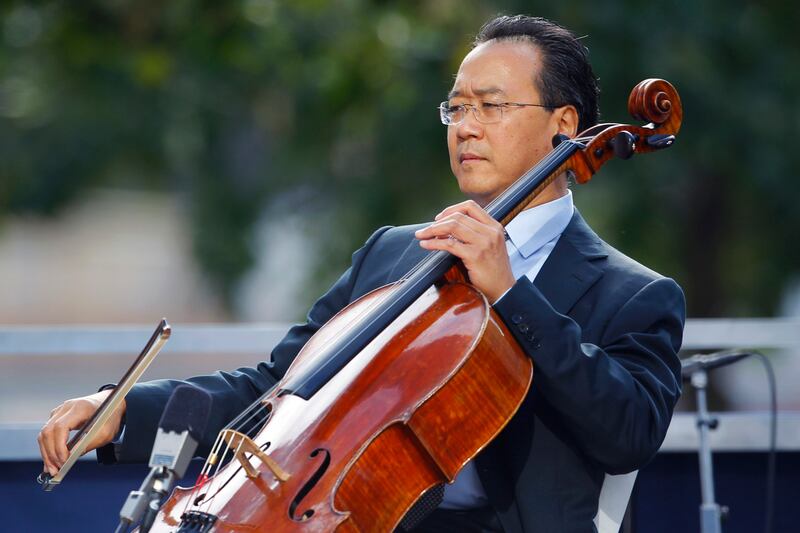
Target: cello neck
(514, 199)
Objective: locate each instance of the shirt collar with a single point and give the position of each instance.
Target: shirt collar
(535, 227)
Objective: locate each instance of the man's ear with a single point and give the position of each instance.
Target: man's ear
(567, 120)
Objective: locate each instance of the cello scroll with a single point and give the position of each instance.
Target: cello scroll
(652, 100)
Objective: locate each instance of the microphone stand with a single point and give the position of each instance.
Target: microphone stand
(134, 506)
(144, 503)
(162, 484)
(710, 511)
(184, 420)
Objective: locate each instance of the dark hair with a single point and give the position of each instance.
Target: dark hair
(566, 76)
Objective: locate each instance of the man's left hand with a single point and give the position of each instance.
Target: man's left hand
(468, 232)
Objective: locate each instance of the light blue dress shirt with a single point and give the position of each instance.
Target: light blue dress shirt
(532, 236)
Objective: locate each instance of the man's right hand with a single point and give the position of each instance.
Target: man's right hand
(73, 414)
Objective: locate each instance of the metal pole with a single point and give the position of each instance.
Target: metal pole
(710, 513)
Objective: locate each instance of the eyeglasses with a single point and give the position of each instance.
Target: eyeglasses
(485, 112)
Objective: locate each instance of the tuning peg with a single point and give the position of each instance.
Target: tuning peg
(623, 144)
(559, 138)
(660, 141)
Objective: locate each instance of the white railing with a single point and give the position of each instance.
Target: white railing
(42, 365)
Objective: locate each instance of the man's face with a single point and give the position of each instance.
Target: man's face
(487, 158)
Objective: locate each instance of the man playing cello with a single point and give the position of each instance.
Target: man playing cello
(602, 330)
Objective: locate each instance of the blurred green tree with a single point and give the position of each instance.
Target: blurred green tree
(233, 105)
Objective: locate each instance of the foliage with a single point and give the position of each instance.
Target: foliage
(232, 104)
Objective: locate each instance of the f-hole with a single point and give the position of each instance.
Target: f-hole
(310, 484)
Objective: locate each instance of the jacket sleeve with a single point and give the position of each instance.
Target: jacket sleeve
(615, 398)
(231, 392)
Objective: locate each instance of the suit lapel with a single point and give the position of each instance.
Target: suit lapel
(410, 257)
(568, 272)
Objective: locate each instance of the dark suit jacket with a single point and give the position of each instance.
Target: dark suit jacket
(603, 333)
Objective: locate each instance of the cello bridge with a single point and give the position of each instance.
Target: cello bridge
(242, 444)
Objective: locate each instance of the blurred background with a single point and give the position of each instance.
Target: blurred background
(218, 162)
(176, 156)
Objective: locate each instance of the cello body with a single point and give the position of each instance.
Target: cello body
(407, 413)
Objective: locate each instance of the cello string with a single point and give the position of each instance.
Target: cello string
(247, 409)
(214, 453)
(258, 425)
(203, 477)
(255, 427)
(206, 503)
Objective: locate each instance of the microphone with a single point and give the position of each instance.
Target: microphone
(710, 361)
(179, 431)
(181, 427)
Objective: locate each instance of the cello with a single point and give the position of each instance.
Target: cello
(387, 399)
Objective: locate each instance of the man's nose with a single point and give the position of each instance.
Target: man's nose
(469, 127)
